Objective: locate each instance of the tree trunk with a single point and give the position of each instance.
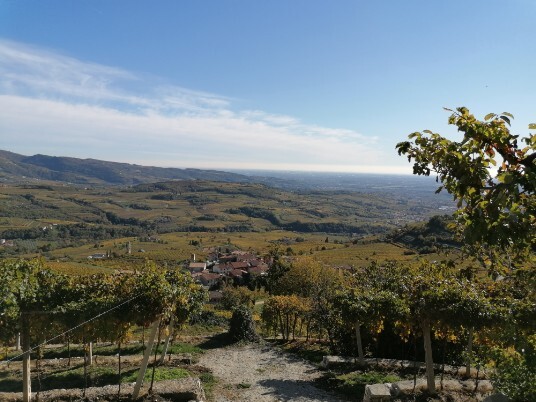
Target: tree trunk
(38, 370)
(469, 352)
(330, 339)
(476, 379)
(26, 380)
(443, 361)
(17, 346)
(377, 344)
(360, 355)
(282, 325)
(143, 337)
(430, 377)
(287, 326)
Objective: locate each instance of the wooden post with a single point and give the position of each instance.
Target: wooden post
(119, 361)
(69, 351)
(91, 353)
(430, 378)
(145, 361)
(469, 352)
(26, 379)
(168, 338)
(360, 354)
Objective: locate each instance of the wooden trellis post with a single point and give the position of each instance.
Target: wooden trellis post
(145, 361)
(26, 373)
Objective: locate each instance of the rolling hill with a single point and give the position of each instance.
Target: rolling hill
(15, 168)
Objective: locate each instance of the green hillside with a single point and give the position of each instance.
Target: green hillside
(60, 221)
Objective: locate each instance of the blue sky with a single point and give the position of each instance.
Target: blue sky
(281, 84)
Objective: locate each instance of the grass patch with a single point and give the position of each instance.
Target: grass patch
(368, 377)
(179, 348)
(160, 374)
(209, 381)
(352, 385)
(97, 377)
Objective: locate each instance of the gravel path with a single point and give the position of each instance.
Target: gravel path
(262, 373)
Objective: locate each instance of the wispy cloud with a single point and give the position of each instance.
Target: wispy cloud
(52, 103)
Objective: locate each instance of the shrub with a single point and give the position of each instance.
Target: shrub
(208, 318)
(242, 326)
(515, 377)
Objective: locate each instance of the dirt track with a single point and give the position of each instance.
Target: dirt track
(263, 374)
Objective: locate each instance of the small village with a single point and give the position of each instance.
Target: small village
(234, 268)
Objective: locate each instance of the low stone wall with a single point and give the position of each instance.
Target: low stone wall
(386, 392)
(407, 387)
(332, 361)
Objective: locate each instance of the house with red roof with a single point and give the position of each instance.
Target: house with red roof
(209, 279)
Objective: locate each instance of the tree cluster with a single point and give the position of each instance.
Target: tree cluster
(52, 306)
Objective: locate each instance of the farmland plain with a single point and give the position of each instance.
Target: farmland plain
(168, 222)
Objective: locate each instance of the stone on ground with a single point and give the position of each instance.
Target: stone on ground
(377, 393)
(329, 361)
(498, 397)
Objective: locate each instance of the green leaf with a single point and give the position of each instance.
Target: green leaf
(508, 114)
(489, 116)
(532, 126)
(506, 119)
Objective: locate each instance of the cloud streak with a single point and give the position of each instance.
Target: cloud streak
(55, 104)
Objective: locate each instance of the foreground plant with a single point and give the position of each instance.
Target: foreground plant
(492, 174)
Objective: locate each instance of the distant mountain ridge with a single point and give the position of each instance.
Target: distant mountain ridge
(16, 168)
(21, 169)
